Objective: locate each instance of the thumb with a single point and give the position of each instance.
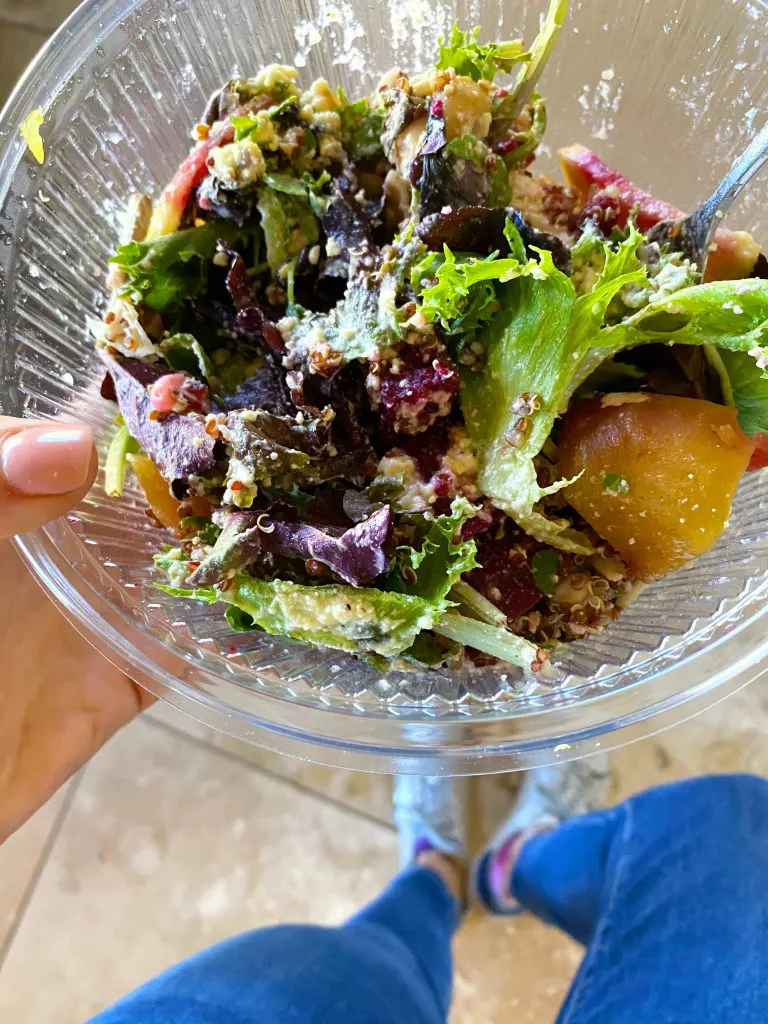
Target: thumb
(46, 467)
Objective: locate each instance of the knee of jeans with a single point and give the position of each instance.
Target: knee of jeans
(727, 788)
(737, 801)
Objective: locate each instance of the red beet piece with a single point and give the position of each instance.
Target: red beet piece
(420, 392)
(505, 576)
(427, 449)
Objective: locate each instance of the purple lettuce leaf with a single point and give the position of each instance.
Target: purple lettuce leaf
(442, 180)
(279, 452)
(178, 445)
(251, 323)
(356, 555)
(266, 389)
(350, 225)
(480, 230)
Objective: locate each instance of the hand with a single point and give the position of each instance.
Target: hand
(59, 699)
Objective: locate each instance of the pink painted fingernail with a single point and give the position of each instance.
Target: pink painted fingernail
(51, 459)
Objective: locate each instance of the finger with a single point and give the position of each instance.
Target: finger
(45, 469)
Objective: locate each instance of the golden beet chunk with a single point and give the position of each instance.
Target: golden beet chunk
(659, 474)
(157, 491)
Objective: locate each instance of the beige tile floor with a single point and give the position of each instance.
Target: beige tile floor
(174, 837)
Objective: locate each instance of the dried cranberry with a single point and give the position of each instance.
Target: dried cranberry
(507, 145)
(443, 483)
(488, 518)
(107, 389)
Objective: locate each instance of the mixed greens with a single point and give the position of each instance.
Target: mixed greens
(396, 394)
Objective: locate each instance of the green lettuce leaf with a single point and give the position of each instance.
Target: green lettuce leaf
(361, 129)
(545, 342)
(466, 56)
(534, 349)
(345, 618)
(540, 52)
(504, 112)
(544, 566)
(287, 220)
(121, 446)
(165, 271)
(745, 386)
(430, 570)
(730, 315)
(493, 640)
(362, 324)
(306, 187)
(184, 352)
(458, 288)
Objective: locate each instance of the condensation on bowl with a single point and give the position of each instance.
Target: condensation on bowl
(667, 93)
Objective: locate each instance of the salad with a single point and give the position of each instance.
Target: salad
(394, 392)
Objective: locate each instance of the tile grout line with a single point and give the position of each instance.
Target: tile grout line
(42, 860)
(27, 26)
(269, 773)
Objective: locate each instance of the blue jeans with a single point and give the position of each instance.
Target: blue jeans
(668, 892)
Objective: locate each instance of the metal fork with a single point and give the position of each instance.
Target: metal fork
(692, 234)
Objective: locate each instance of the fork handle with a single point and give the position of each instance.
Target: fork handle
(743, 169)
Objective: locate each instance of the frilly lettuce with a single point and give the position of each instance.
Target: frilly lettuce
(163, 272)
(466, 56)
(545, 342)
(441, 558)
(456, 279)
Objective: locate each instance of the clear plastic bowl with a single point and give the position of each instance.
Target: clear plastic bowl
(667, 92)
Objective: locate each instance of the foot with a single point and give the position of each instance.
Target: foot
(430, 813)
(548, 797)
